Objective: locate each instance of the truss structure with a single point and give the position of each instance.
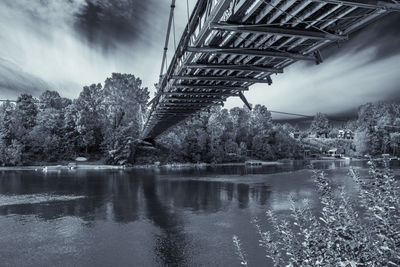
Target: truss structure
(229, 45)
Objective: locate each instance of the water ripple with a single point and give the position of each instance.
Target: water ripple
(8, 200)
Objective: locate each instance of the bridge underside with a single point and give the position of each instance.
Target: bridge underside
(229, 45)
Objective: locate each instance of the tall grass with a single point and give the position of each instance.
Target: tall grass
(339, 234)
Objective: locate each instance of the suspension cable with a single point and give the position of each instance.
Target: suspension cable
(173, 24)
(171, 14)
(187, 11)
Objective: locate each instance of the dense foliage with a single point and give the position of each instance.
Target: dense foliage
(222, 135)
(101, 122)
(378, 129)
(339, 235)
(320, 125)
(105, 122)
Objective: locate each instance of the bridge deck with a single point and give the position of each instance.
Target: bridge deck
(229, 45)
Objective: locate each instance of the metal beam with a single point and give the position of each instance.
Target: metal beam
(194, 104)
(219, 78)
(197, 98)
(287, 32)
(191, 100)
(198, 94)
(369, 5)
(212, 87)
(234, 67)
(251, 52)
(243, 98)
(172, 114)
(182, 108)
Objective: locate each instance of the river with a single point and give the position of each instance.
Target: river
(155, 217)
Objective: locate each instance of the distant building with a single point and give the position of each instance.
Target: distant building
(335, 153)
(332, 152)
(295, 135)
(345, 134)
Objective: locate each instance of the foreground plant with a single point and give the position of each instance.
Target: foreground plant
(338, 235)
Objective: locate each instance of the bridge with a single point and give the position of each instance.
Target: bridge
(229, 45)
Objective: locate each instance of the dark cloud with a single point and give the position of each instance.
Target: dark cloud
(383, 35)
(110, 22)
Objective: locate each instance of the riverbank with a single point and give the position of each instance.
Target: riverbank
(63, 167)
(90, 166)
(99, 166)
(200, 165)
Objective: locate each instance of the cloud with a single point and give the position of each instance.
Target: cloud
(42, 39)
(14, 81)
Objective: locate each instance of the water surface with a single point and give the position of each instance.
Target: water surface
(156, 217)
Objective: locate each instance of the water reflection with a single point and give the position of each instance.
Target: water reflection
(127, 193)
(181, 212)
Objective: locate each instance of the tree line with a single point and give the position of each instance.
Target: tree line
(103, 122)
(222, 135)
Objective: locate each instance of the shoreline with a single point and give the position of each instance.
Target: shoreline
(47, 168)
(90, 166)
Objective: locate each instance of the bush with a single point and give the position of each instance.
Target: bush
(338, 235)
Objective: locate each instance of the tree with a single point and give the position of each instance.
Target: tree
(26, 111)
(6, 123)
(89, 118)
(47, 135)
(261, 132)
(24, 120)
(395, 143)
(52, 99)
(71, 138)
(361, 141)
(241, 121)
(215, 130)
(124, 104)
(10, 149)
(320, 125)
(285, 145)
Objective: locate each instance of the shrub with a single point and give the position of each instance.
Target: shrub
(338, 235)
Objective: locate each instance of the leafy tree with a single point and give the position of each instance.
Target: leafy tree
(285, 146)
(240, 119)
(261, 129)
(24, 120)
(395, 142)
(88, 118)
(124, 103)
(71, 139)
(320, 125)
(215, 130)
(52, 99)
(12, 154)
(26, 111)
(47, 135)
(10, 149)
(7, 123)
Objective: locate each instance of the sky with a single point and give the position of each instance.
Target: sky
(64, 45)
